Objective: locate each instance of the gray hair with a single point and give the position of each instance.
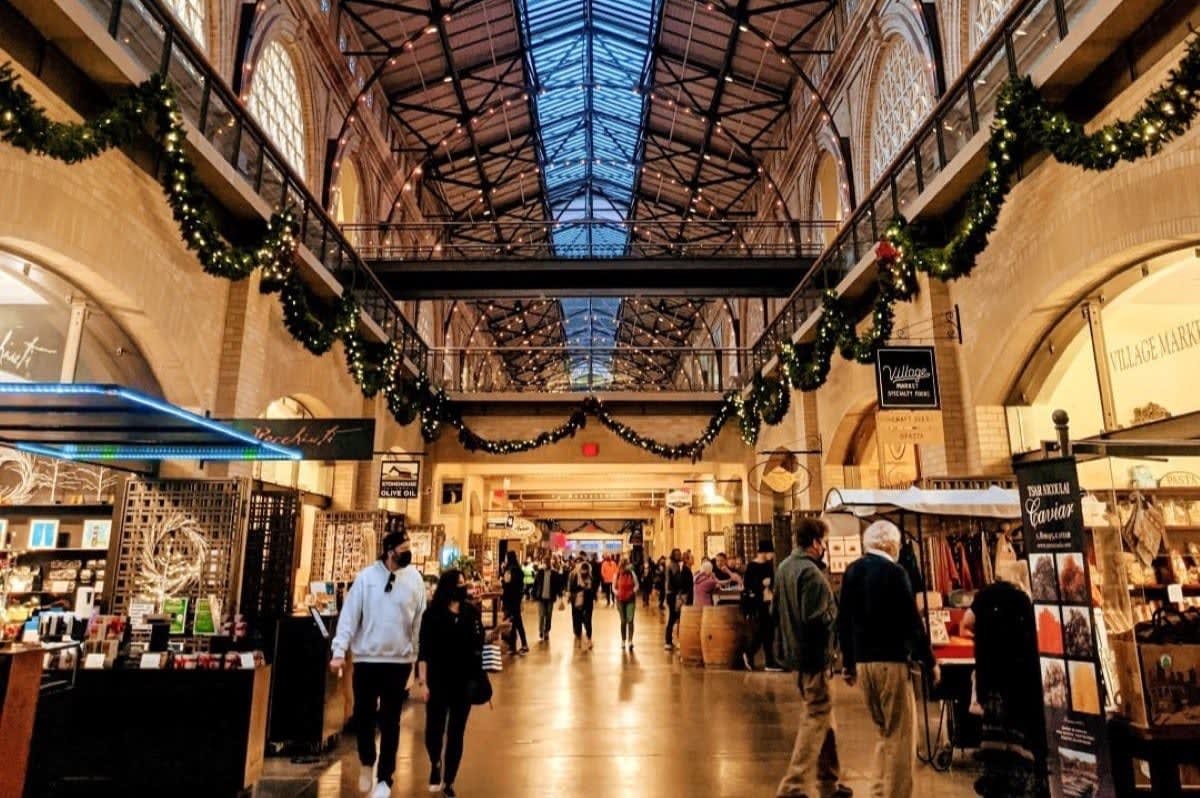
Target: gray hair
(706, 566)
(883, 535)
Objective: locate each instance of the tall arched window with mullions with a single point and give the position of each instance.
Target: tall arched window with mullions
(193, 15)
(902, 100)
(275, 103)
(985, 16)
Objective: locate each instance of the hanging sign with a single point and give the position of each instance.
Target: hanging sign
(678, 499)
(399, 478)
(1052, 514)
(906, 378)
(317, 438)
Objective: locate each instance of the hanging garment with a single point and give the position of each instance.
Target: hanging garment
(965, 579)
(912, 566)
(1004, 551)
(985, 560)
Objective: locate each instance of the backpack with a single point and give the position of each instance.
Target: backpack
(625, 586)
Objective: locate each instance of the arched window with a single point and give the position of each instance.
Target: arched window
(985, 16)
(194, 16)
(275, 103)
(827, 199)
(902, 100)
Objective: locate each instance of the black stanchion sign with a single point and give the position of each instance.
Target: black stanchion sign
(1060, 580)
(906, 378)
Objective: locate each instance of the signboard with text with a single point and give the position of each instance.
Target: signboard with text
(399, 478)
(906, 378)
(317, 438)
(906, 427)
(1060, 577)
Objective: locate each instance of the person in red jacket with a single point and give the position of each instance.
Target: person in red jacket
(626, 587)
(608, 572)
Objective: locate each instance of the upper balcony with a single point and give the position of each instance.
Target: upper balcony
(120, 43)
(1057, 43)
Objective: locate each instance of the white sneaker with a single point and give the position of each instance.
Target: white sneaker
(382, 790)
(366, 778)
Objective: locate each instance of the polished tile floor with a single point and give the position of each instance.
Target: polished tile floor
(566, 723)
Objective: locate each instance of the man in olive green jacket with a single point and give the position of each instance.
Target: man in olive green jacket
(806, 622)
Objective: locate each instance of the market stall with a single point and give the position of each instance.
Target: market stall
(955, 542)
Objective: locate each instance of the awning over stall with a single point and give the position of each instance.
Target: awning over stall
(995, 502)
(78, 421)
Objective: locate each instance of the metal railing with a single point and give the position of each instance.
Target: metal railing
(150, 35)
(1030, 32)
(625, 239)
(559, 369)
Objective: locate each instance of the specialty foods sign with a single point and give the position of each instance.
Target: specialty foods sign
(906, 378)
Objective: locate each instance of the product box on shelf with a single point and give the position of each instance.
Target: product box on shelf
(1159, 684)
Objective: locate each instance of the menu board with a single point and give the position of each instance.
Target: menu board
(1060, 577)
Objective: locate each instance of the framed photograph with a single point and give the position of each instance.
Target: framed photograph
(43, 533)
(96, 532)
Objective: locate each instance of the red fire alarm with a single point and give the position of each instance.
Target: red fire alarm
(591, 449)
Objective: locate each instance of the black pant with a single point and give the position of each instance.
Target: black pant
(581, 620)
(762, 633)
(672, 616)
(513, 611)
(379, 692)
(608, 594)
(446, 717)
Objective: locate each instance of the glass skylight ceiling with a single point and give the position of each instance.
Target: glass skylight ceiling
(588, 59)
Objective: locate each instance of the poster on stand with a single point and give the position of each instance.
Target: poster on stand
(1072, 682)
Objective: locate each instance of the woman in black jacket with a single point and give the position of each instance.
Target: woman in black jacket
(582, 587)
(512, 591)
(450, 656)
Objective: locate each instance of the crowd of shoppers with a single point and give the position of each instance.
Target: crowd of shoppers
(791, 611)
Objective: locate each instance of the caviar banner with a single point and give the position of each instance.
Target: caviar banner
(1060, 578)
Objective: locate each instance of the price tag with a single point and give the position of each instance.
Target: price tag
(247, 660)
(151, 662)
(93, 662)
(1175, 593)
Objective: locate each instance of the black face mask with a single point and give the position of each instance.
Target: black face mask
(403, 559)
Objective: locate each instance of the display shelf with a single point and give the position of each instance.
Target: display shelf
(69, 549)
(1188, 589)
(51, 509)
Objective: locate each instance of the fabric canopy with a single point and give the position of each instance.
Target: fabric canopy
(995, 502)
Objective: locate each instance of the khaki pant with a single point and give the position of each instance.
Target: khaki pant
(814, 755)
(889, 693)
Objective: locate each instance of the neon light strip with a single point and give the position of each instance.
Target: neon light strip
(86, 389)
(77, 452)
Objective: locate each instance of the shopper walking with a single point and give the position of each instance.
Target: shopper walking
(582, 589)
(527, 572)
(881, 634)
(547, 587)
(451, 655)
(511, 590)
(756, 606)
(380, 624)
(676, 597)
(660, 582)
(807, 632)
(608, 572)
(625, 586)
(646, 582)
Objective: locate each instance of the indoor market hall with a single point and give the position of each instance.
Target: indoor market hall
(747, 398)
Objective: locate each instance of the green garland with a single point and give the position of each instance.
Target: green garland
(1022, 121)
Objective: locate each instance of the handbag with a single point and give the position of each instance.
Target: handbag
(479, 688)
(492, 660)
(561, 604)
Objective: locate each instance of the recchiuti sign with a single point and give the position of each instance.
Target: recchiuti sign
(317, 438)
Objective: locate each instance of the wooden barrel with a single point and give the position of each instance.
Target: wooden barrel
(689, 636)
(722, 635)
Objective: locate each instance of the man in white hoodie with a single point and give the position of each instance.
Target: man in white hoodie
(380, 624)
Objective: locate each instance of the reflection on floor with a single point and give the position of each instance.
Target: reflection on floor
(567, 724)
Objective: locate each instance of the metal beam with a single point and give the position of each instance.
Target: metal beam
(608, 277)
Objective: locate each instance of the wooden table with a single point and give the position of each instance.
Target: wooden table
(20, 683)
(1165, 748)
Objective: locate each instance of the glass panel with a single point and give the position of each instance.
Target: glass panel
(906, 183)
(272, 182)
(956, 125)
(864, 234)
(1035, 36)
(247, 160)
(987, 82)
(142, 34)
(313, 232)
(102, 10)
(221, 127)
(930, 167)
(188, 83)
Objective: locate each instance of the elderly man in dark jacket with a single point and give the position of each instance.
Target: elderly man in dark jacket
(806, 623)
